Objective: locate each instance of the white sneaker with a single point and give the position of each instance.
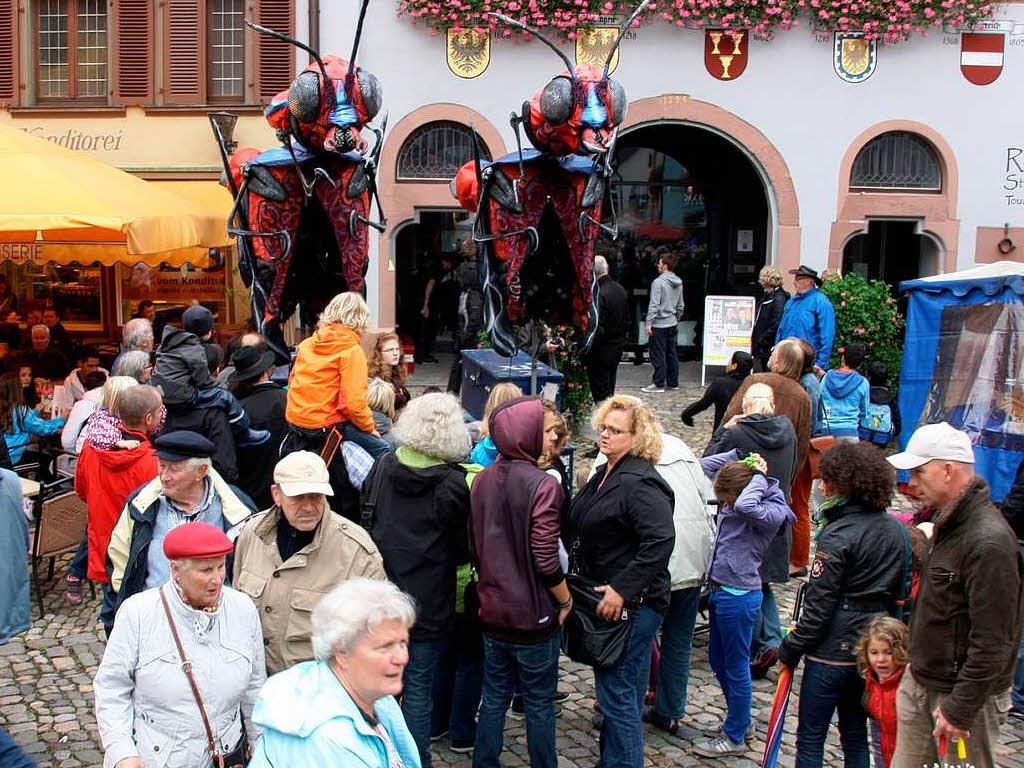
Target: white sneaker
(652, 389)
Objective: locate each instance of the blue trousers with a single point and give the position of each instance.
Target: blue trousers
(664, 357)
(732, 623)
(621, 691)
(80, 564)
(458, 682)
(534, 668)
(824, 690)
(418, 692)
(1018, 678)
(370, 443)
(676, 647)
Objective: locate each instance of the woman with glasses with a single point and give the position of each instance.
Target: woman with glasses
(620, 533)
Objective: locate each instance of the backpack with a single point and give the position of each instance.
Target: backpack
(877, 427)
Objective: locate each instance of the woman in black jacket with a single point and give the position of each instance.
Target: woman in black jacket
(769, 313)
(861, 569)
(620, 533)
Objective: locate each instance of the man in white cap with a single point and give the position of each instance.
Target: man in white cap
(965, 626)
(291, 555)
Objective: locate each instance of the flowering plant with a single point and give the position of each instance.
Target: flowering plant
(867, 312)
(576, 398)
(888, 20)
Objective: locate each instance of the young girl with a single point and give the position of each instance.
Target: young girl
(386, 364)
(19, 424)
(882, 655)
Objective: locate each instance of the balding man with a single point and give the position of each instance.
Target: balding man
(610, 337)
(965, 627)
(136, 335)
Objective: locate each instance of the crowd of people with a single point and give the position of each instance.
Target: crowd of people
(339, 572)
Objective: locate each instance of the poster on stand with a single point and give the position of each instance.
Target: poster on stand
(728, 328)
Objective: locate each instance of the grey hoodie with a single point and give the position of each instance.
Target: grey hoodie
(666, 305)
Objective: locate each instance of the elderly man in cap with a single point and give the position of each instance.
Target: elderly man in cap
(293, 554)
(809, 315)
(965, 626)
(187, 490)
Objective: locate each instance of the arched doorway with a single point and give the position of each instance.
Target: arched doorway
(693, 190)
(893, 250)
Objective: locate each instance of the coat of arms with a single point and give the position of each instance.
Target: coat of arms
(725, 52)
(592, 47)
(854, 56)
(981, 56)
(468, 51)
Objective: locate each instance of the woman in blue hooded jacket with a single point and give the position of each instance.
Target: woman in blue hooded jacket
(18, 422)
(340, 708)
(845, 395)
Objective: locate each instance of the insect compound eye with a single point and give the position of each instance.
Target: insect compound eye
(618, 94)
(304, 97)
(556, 101)
(373, 97)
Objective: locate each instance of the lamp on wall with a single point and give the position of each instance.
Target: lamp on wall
(223, 124)
(1006, 245)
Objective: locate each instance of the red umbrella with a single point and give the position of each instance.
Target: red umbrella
(777, 716)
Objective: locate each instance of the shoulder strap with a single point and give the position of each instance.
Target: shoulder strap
(368, 509)
(186, 667)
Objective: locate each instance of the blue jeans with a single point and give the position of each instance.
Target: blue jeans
(732, 623)
(621, 691)
(458, 682)
(676, 646)
(825, 689)
(535, 668)
(370, 443)
(664, 357)
(418, 692)
(1018, 678)
(767, 626)
(80, 565)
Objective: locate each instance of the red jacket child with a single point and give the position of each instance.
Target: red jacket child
(880, 703)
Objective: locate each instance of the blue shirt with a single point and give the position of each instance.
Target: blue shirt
(168, 517)
(810, 316)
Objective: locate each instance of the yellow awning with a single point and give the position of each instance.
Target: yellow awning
(67, 206)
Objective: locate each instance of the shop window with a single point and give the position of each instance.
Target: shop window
(72, 45)
(226, 49)
(897, 161)
(436, 151)
(75, 291)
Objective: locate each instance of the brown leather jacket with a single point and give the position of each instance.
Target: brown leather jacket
(790, 400)
(965, 627)
(286, 593)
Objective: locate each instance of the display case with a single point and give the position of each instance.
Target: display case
(76, 292)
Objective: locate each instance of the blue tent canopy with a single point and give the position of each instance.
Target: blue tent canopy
(963, 362)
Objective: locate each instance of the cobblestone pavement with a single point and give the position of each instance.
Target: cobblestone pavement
(46, 699)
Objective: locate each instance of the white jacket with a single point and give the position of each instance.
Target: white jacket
(694, 524)
(72, 436)
(144, 705)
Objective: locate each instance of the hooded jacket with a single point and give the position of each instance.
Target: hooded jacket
(791, 401)
(103, 480)
(773, 437)
(327, 384)
(859, 571)
(810, 316)
(309, 719)
(515, 527)
(844, 400)
(666, 305)
(180, 367)
(420, 528)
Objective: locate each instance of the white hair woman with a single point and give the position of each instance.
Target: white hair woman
(420, 495)
(340, 708)
(135, 363)
(147, 708)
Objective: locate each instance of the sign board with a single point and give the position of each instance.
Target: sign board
(728, 328)
(174, 284)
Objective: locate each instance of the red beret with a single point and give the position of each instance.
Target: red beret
(196, 541)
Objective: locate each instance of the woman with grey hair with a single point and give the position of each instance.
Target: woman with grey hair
(135, 363)
(340, 708)
(769, 313)
(419, 497)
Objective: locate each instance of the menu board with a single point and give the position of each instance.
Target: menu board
(728, 328)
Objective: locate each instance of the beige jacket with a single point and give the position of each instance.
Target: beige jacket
(286, 593)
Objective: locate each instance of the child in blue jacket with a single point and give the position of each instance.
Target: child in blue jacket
(845, 395)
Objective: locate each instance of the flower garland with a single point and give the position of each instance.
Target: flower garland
(887, 20)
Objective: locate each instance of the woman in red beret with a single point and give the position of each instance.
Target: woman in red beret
(146, 709)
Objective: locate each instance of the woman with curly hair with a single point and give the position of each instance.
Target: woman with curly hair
(769, 313)
(619, 532)
(420, 498)
(859, 571)
(386, 364)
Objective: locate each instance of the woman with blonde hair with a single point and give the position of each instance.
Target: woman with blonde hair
(486, 452)
(620, 534)
(386, 364)
(769, 313)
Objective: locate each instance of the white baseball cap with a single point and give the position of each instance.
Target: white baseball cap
(934, 441)
(302, 472)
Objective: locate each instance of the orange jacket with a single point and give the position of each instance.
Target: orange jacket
(328, 381)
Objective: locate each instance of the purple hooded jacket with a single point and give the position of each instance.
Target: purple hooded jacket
(514, 527)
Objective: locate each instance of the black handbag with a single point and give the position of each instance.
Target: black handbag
(587, 637)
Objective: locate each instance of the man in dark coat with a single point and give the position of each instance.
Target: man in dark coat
(264, 401)
(721, 389)
(471, 317)
(610, 337)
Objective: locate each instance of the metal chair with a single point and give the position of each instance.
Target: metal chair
(60, 523)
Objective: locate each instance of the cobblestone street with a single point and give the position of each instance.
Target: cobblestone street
(46, 699)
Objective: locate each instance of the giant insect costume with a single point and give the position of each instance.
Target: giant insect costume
(302, 210)
(538, 211)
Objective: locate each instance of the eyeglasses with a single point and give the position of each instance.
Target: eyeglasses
(611, 430)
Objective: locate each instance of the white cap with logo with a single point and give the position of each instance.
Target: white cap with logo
(934, 442)
(302, 472)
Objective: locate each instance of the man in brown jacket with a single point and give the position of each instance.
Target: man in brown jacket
(291, 555)
(965, 626)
